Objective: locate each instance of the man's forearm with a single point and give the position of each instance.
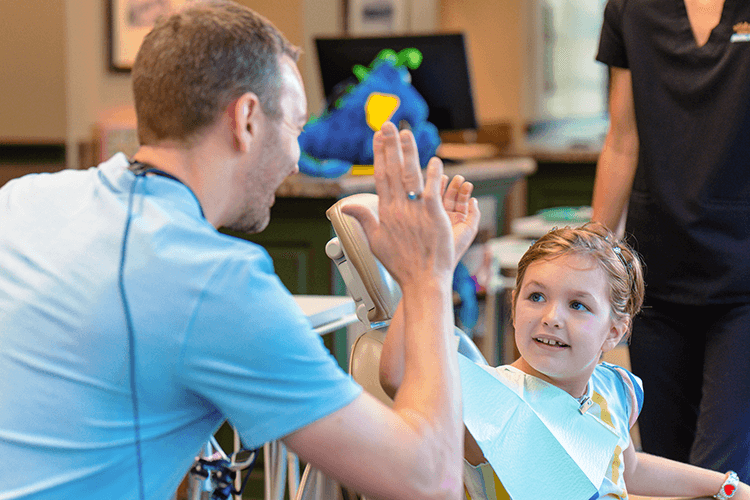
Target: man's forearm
(392, 357)
(430, 370)
(430, 388)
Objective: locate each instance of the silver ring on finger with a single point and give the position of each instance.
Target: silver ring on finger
(413, 195)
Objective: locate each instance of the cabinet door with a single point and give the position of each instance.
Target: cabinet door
(558, 184)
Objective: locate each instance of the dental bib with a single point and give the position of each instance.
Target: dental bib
(536, 436)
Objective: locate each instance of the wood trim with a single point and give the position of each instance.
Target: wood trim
(32, 152)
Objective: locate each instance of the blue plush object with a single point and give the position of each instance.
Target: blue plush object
(463, 284)
(342, 136)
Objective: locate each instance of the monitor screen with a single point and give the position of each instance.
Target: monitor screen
(442, 78)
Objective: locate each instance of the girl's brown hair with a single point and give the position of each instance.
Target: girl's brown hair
(620, 263)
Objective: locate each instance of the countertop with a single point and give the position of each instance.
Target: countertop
(475, 171)
(551, 154)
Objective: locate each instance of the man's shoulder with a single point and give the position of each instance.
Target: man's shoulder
(217, 256)
(48, 180)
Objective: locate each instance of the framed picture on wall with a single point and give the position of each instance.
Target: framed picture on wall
(129, 22)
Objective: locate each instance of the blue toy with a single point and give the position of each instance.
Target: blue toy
(342, 136)
(468, 312)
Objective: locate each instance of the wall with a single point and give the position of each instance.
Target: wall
(95, 93)
(91, 88)
(61, 86)
(32, 69)
(497, 40)
(321, 19)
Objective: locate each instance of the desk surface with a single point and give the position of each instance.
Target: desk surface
(506, 251)
(475, 171)
(327, 312)
(535, 226)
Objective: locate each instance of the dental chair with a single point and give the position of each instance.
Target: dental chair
(376, 295)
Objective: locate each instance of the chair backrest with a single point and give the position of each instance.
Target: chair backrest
(375, 292)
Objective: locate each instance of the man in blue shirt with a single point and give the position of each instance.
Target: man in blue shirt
(130, 328)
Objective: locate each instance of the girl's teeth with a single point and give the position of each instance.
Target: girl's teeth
(551, 342)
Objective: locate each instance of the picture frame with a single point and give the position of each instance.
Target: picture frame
(129, 23)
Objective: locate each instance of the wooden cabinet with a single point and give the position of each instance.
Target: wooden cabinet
(563, 177)
(30, 157)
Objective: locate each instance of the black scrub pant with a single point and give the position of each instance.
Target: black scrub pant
(695, 365)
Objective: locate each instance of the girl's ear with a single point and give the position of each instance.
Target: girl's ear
(617, 331)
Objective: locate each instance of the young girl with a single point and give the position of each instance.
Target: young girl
(576, 293)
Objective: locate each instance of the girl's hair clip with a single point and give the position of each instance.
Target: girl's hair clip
(618, 251)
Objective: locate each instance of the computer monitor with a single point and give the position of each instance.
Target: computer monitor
(442, 78)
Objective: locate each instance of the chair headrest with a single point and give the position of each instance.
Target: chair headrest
(374, 291)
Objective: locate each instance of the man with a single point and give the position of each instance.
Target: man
(130, 328)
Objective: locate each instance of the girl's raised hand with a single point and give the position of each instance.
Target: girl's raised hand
(463, 212)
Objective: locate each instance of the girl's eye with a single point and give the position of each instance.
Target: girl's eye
(578, 306)
(536, 297)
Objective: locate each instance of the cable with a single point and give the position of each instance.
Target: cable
(224, 470)
(222, 473)
(140, 170)
(131, 340)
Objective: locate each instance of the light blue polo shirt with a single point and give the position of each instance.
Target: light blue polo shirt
(217, 337)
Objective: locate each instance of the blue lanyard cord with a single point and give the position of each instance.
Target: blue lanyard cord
(140, 169)
(131, 340)
(224, 471)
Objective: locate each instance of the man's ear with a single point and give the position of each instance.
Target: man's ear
(246, 114)
(617, 331)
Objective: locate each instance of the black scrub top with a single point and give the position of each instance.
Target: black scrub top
(689, 211)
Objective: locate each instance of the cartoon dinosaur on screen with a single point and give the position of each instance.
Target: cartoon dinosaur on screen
(342, 135)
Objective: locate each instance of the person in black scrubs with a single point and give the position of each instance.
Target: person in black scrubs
(675, 172)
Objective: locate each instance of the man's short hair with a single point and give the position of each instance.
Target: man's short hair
(195, 62)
